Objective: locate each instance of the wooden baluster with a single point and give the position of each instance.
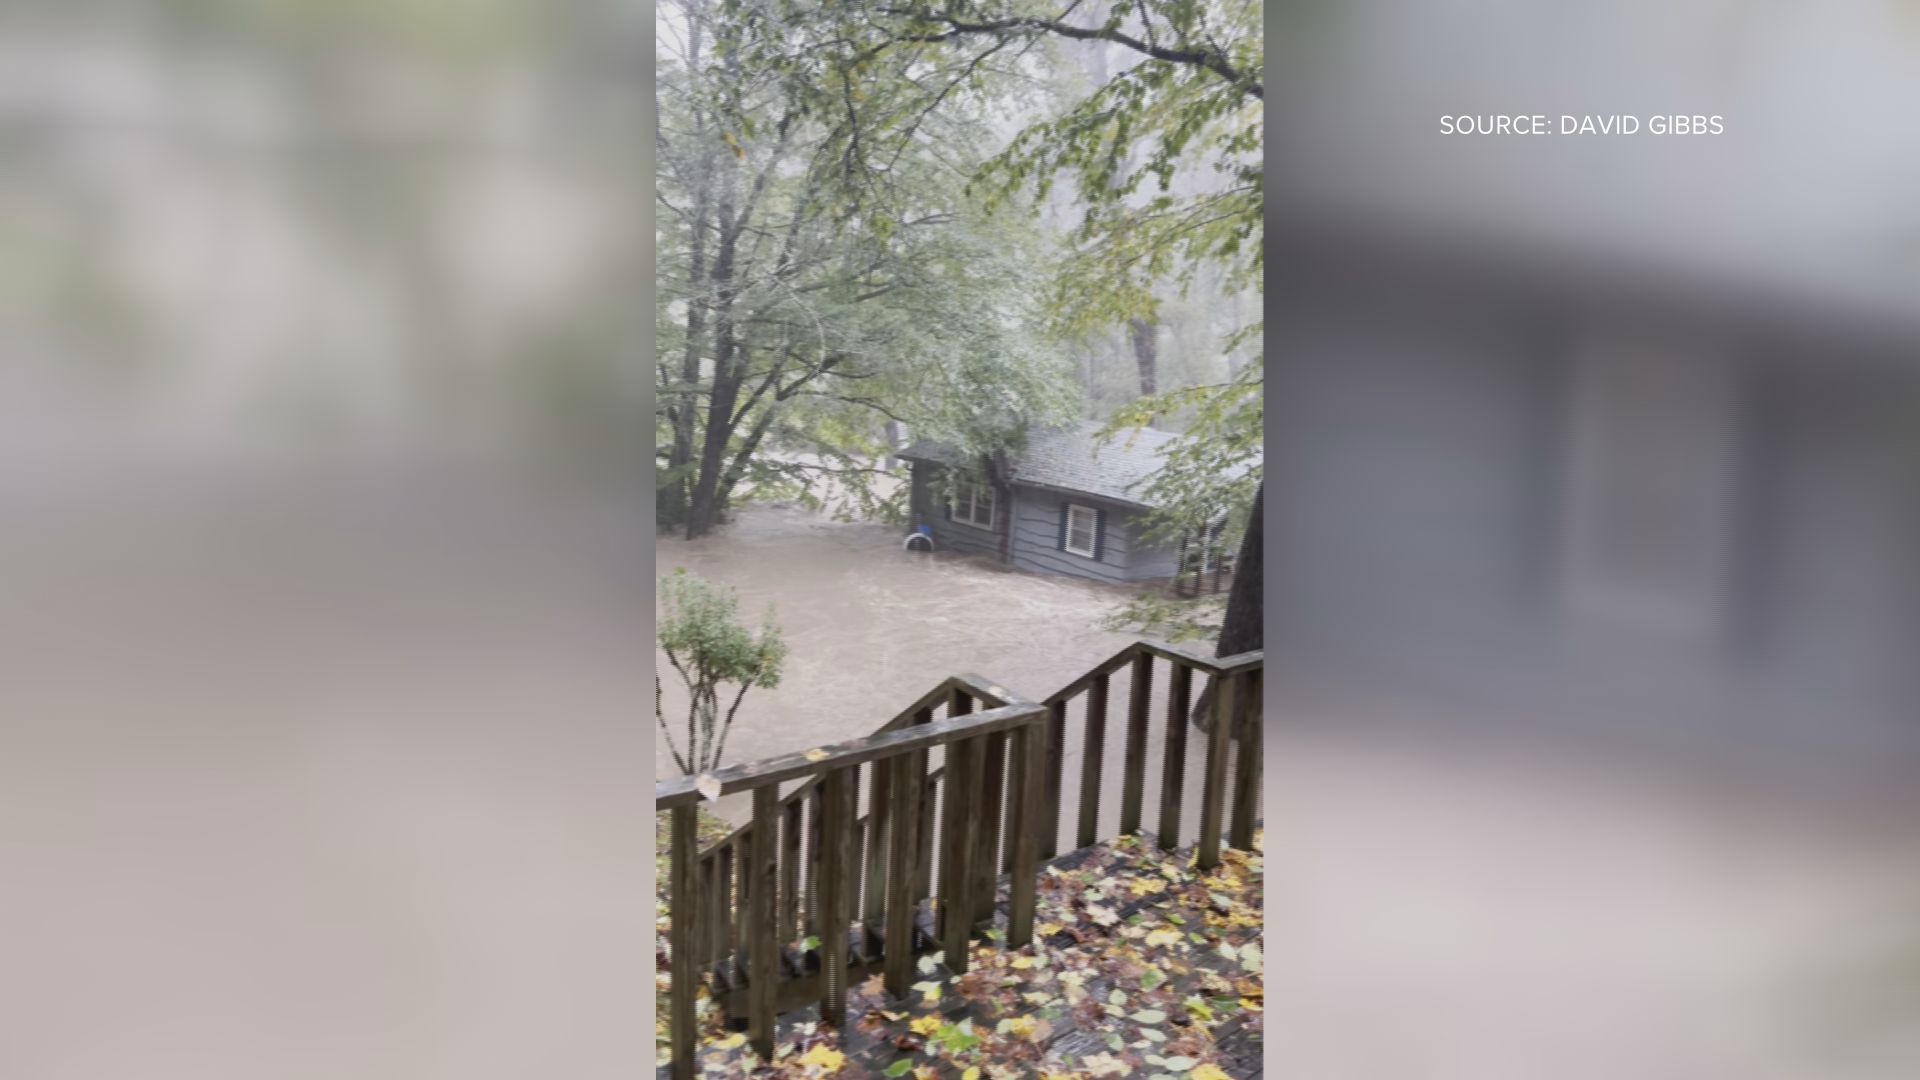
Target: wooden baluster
(1134, 784)
(986, 850)
(1023, 841)
(1213, 790)
(683, 900)
(1055, 776)
(1173, 780)
(836, 838)
(790, 875)
(1246, 783)
(1090, 767)
(931, 792)
(813, 863)
(929, 789)
(851, 868)
(709, 896)
(960, 819)
(873, 901)
(722, 907)
(763, 975)
(909, 774)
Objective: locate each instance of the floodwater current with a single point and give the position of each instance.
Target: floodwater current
(871, 627)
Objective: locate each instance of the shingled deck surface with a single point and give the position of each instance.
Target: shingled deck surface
(1139, 967)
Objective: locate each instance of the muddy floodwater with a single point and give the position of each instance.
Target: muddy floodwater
(870, 627)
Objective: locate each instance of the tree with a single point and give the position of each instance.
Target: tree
(817, 285)
(1164, 154)
(708, 648)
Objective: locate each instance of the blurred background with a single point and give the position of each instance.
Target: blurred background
(1594, 507)
(323, 539)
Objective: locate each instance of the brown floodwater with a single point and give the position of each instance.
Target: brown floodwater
(871, 627)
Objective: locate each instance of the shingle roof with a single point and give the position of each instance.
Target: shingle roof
(1073, 458)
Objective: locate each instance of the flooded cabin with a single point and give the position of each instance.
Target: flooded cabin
(1070, 503)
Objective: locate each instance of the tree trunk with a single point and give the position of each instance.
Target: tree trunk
(729, 371)
(1146, 348)
(1245, 620)
(1243, 629)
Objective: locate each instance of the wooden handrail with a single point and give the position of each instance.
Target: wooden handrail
(989, 693)
(686, 790)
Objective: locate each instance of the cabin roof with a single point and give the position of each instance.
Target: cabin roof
(1074, 458)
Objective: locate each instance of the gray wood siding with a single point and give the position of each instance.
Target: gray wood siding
(1036, 538)
(1034, 516)
(949, 535)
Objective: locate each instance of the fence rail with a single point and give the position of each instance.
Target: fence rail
(893, 845)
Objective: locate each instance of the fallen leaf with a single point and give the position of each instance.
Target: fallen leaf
(1208, 1072)
(824, 1058)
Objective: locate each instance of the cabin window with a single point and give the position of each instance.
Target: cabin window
(1651, 482)
(1083, 529)
(973, 503)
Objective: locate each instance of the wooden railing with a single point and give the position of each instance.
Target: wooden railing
(1233, 695)
(738, 910)
(821, 896)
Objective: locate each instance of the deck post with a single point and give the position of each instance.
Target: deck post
(1173, 777)
(1213, 791)
(836, 832)
(986, 853)
(905, 787)
(1090, 766)
(684, 901)
(1134, 783)
(790, 873)
(1055, 778)
(763, 974)
(1023, 839)
(959, 819)
(1246, 782)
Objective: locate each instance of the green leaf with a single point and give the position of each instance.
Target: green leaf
(901, 1067)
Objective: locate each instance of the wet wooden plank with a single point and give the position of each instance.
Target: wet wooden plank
(960, 817)
(1056, 769)
(1246, 783)
(836, 916)
(879, 830)
(763, 951)
(1173, 777)
(1134, 779)
(1023, 839)
(684, 910)
(1213, 789)
(793, 818)
(738, 778)
(986, 850)
(905, 789)
(1090, 765)
(722, 905)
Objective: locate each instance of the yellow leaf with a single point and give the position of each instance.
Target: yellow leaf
(1022, 962)
(972, 1073)
(732, 1041)
(925, 1025)
(1208, 1072)
(829, 1060)
(1250, 1004)
(1164, 936)
(816, 755)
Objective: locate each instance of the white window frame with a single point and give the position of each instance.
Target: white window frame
(1093, 530)
(967, 500)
